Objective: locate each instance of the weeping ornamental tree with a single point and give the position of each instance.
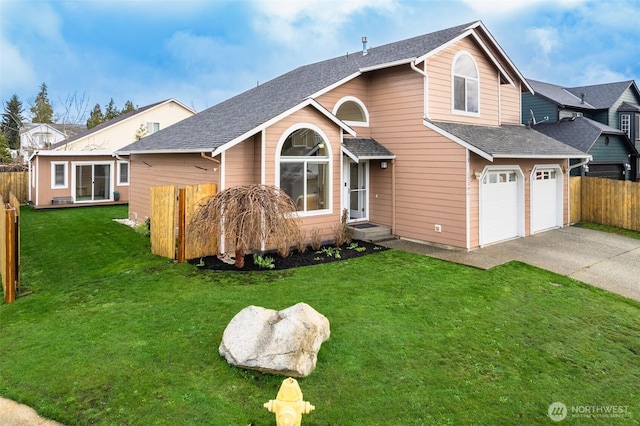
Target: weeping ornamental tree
(250, 217)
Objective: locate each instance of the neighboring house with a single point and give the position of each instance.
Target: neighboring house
(422, 136)
(612, 152)
(85, 169)
(37, 136)
(616, 105)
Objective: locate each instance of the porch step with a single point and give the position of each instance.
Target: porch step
(371, 232)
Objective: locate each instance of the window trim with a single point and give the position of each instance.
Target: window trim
(329, 161)
(453, 92)
(65, 165)
(360, 104)
(628, 124)
(119, 181)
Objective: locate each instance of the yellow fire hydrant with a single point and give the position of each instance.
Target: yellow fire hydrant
(288, 405)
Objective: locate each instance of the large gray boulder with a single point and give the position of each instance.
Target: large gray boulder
(285, 342)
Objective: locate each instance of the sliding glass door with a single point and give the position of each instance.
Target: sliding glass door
(92, 181)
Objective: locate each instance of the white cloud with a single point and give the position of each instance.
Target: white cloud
(507, 7)
(594, 73)
(543, 41)
(290, 20)
(17, 73)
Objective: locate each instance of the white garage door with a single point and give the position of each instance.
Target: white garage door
(546, 206)
(499, 215)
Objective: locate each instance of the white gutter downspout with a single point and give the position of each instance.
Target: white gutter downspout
(426, 85)
(575, 166)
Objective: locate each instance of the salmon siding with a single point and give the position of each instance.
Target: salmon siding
(421, 160)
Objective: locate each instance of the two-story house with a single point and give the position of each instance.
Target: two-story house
(602, 120)
(422, 136)
(84, 169)
(38, 136)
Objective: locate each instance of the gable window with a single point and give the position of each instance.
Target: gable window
(625, 124)
(466, 93)
(152, 127)
(123, 173)
(59, 178)
(304, 162)
(352, 111)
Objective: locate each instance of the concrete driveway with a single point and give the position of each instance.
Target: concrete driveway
(601, 259)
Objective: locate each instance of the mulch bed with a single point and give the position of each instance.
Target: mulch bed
(326, 254)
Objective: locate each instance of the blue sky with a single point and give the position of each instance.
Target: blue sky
(202, 52)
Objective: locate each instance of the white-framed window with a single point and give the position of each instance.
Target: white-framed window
(637, 127)
(465, 84)
(152, 127)
(625, 124)
(123, 173)
(304, 168)
(352, 111)
(59, 175)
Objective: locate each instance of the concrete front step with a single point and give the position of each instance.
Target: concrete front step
(371, 232)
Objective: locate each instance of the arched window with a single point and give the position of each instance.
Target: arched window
(352, 111)
(465, 84)
(305, 168)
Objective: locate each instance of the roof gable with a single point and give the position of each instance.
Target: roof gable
(119, 119)
(245, 114)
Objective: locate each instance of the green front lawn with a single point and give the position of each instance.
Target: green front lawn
(112, 335)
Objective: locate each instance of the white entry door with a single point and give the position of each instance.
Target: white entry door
(355, 188)
(500, 215)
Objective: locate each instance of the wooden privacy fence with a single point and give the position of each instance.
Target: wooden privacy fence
(605, 201)
(10, 247)
(16, 183)
(171, 212)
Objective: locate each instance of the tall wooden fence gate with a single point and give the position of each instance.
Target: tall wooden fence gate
(10, 247)
(171, 211)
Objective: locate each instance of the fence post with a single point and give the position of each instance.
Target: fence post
(182, 225)
(10, 256)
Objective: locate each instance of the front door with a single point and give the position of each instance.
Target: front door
(355, 186)
(92, 182)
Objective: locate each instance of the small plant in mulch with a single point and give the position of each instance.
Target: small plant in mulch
(262, 261)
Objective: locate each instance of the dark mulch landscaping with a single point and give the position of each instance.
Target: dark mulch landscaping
(326, 254)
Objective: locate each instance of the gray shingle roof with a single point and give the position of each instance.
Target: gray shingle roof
(597, 96)
(367, 148)
(601, 96)
(246, 112)
(580, 133)
(510, 141)
(627, 107)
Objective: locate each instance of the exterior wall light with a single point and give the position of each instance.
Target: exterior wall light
(384, 164)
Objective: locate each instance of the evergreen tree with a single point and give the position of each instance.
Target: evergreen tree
(110, 111)
(96, 117)
(128, 107)
(12, 121)
(5, 155)
(42, 111)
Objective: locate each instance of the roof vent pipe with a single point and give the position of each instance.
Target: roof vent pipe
(364, 46)
(582, 97)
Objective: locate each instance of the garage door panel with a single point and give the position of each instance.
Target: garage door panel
(546, 204)
(500, 216)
